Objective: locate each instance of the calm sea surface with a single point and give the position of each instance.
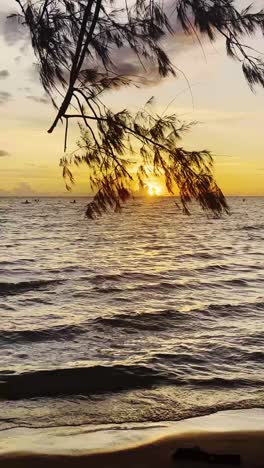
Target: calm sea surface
(147, 315)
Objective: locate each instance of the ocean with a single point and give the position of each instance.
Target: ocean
(143, 316)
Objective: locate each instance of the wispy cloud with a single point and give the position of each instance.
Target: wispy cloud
(4, 153)
(4, 97)
(39, 99)
(126, 61)
(4, 74)
(23, 189)
(12, 28)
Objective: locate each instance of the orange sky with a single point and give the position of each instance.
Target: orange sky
(231, 119)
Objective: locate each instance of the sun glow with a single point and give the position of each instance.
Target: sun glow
(154, 190)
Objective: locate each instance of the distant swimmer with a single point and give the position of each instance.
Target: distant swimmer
(26, 202)
(244, 199)
(74, 201)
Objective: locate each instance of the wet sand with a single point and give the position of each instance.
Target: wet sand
(138, 446)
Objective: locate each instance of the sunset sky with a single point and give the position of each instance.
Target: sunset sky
(231, 117)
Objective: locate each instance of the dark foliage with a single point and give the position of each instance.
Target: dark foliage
(76, 41)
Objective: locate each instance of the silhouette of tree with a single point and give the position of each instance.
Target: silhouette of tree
(76, 41)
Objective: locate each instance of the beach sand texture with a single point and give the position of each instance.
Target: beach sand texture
(139, 446)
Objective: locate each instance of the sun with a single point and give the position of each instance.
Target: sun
(154, 190)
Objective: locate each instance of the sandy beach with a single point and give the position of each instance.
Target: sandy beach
(239, 433)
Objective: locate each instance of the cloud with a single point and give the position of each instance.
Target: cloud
(39, 99)
(3, 153)
(39, 166)
(4, 74)
(125, 60)
(26, 89)
(24, 190)
(4, 193)
(128, 67)
(12, 28)
(4, 97)
(145, 72)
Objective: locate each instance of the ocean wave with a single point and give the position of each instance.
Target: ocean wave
(23, 286)
(115, 277)
(74, 381)
(165, 285)
(235, 282)
(232, 267)
(106, 379)
(161, 286)
(102, 290)
(48, 334)
(6, 307)
(199, 255)
(253, 227)
(209, 268)
(226, 382)
(137, 282)
(168, 318)
(148, 287)
(253, 338)
(255, 356)
(100, 278)
(160, 320)
(19, 261)
(227, 310)
(179, 358)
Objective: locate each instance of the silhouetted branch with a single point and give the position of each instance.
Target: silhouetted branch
(76, 42)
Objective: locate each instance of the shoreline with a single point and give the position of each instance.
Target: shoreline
(239, 432)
